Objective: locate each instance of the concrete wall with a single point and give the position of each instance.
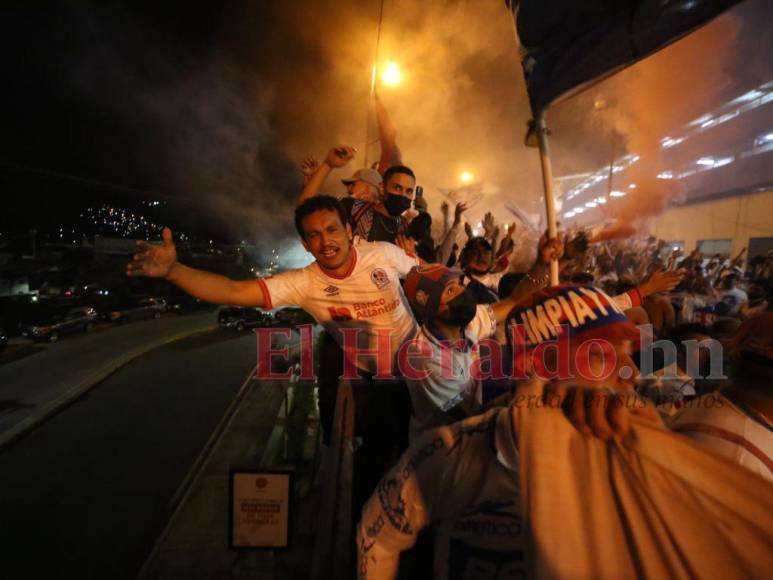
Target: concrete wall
(737, 218)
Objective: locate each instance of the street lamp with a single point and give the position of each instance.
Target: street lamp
(391, 75)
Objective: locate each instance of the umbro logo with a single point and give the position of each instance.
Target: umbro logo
(332, 291)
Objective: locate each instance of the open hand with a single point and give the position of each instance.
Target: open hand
(153, 260)
(309, 166)
(488, 224)
(460, 208)
(660, 281)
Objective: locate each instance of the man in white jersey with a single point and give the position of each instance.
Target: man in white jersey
(354, 293)
(344, 288)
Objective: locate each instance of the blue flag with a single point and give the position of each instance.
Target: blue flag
(570, 44)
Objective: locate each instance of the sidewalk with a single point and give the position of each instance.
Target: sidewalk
(35, 387)
(194, 545)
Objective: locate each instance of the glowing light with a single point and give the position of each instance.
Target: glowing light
(579, 209)
(668, 142)
(707, 161)
(617, 193)
(601, 200)
(665, 175)
(569, 214)
(632, 186)
(590, 204)
(467, 176)
(391, 75)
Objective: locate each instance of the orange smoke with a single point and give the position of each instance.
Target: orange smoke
(655, 98)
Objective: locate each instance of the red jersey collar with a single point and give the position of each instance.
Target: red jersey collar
(346, 274)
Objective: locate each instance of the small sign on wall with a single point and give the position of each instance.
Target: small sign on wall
(259, 505)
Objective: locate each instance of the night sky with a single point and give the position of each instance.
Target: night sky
(79, 122)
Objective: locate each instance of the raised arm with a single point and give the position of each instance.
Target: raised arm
(336, 157)
(446, 246)
(156, 261)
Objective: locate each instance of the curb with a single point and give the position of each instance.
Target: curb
(51, 408)
(180, 497)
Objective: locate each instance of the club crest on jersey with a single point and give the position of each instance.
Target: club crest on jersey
(332, 291)
(379, 278)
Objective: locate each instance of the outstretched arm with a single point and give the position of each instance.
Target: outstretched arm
(156, 261)
(446, 246)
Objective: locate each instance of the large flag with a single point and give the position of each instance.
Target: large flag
(569, 44)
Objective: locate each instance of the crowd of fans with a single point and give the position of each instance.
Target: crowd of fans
(440, 441)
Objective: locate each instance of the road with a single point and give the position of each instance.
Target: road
(85, 494)
(28, 384)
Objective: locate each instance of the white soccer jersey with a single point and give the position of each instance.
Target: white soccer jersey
(368, 297)
(463, 480)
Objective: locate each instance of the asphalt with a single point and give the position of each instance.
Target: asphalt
(87, 493)
(53, 375)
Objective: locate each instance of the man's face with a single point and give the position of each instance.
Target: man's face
(400, 184)
(364, 191)
(326, 237)
(480, 260)
(453, 288)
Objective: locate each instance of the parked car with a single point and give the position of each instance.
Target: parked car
(293, 317)
(51, 325)
(240, 319)
(3, 338)
(144, 308)
(185, 303)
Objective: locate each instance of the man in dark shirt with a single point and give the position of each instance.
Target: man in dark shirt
(372, 221)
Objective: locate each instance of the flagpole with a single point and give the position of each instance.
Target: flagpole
(372, 83)
(547, 180)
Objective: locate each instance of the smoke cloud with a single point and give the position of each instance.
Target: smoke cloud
(227, 125)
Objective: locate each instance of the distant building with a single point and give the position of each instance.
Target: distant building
(723, 223)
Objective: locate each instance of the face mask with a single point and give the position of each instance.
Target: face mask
(396, 204)
(462, 309)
